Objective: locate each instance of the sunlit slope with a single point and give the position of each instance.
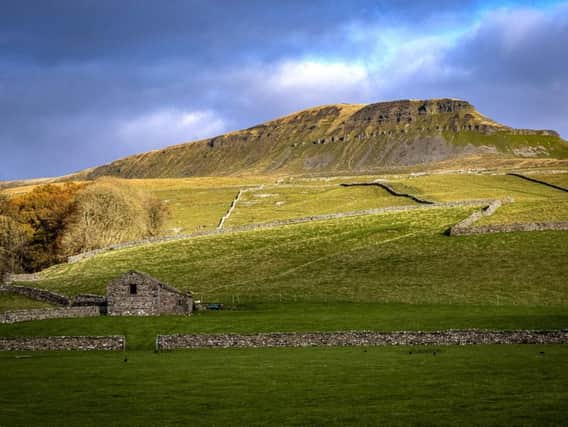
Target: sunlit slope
(344, 137)
(389, 258)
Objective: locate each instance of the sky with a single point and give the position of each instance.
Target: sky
(84, 82)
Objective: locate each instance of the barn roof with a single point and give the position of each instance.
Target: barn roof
(133, 274)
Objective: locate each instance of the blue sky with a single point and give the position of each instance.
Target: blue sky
(83, 82)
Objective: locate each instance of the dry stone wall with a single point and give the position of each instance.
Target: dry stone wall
(88, 300)
(37, 294)
(361, 338)
(25, 277)
(82, 343)
(390, 190)
(466, 224)
(509, 228)
(48, 313)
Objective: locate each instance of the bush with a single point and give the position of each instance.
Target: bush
(111, 211)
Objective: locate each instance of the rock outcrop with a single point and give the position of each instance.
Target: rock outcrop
(345, 137)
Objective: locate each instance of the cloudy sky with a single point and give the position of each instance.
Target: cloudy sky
(83, 82)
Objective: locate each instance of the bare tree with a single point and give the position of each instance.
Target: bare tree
(110, 211)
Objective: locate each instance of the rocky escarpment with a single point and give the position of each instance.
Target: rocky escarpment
(345, 137)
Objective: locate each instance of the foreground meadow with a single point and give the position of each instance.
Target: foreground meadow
(476, 385)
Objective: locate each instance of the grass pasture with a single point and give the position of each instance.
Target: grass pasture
(199, 203)
(560, 179)
(451, 187)
(389, 258)
(10, 301)
(296, 201)
(393, 271)
(474, 385)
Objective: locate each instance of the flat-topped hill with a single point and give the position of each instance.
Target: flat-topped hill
(345, 137)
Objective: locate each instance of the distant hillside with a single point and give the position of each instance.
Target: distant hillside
(345, 137)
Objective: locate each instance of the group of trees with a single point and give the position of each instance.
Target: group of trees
(42, 227)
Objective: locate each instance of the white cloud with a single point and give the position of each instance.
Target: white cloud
(167, 127)
(314, 75)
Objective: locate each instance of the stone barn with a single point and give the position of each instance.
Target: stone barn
(137, 294)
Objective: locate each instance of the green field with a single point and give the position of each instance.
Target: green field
(197, 204)
(194, 204)
(560, 179)
(476, 385)
(296, 201)
(141, 333)
(403, 258)
(450, 187)
(16, 302)
(386, 272)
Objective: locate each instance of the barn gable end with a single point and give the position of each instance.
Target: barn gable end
(138, 294)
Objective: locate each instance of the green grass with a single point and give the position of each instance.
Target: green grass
(508, 143)
(474, 385)
(445, 188)
(302, 317)
(560, 179)
(530, 211)
(383, 272)
(391, 258)
(194, 204)
(284, 202)
(17, 302)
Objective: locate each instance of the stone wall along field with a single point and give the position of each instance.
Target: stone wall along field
(49, 313)
(36, 294)
(272, 224)
(390, 189)
(360, 338)
(509, 228)
(108, 343)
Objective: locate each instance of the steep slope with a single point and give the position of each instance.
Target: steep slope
(345, 137)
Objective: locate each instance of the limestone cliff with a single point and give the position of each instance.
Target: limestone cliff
(346, 137)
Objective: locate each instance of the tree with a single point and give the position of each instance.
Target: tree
(41, 215)
(111, 211)
(12, 245)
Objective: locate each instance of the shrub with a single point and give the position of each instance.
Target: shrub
(110, 211)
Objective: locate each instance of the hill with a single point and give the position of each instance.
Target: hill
(345, 137)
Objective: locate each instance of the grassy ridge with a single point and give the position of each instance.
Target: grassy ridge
(342, 137)
(500, 385)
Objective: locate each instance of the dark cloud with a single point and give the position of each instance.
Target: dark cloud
(84, 82)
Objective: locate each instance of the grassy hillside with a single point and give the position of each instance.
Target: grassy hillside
(199, 203)
(394, 271)
(402, 258)
(345, 138)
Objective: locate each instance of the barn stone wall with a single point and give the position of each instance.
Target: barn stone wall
(152, 298)
(106, 343)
